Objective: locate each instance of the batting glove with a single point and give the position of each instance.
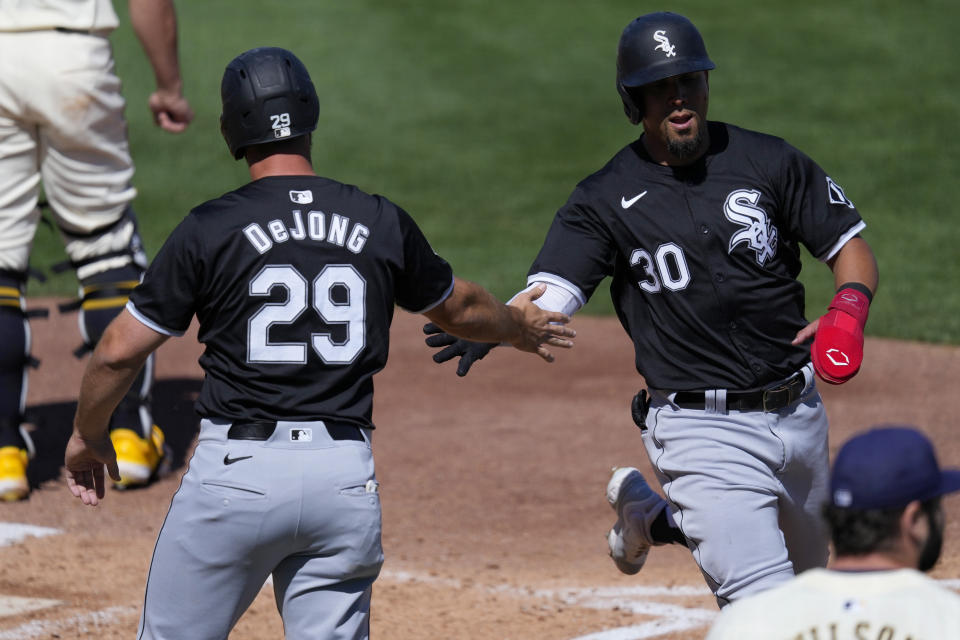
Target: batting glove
(837, 349)
(468, 351)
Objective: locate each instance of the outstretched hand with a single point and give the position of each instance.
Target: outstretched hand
(540, 327)
(84, 462)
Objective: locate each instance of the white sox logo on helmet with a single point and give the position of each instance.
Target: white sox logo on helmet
(758, 232)
(665, 46)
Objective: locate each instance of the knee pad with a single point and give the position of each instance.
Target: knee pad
(113, 247)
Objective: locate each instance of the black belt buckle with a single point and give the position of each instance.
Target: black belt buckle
(772, 397)
(784, 394)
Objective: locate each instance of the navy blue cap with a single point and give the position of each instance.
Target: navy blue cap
(888, 467)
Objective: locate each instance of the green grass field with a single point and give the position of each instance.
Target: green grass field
(479, 117)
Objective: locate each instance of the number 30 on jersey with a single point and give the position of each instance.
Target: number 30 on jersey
(666, 268)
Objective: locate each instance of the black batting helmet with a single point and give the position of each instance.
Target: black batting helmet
(267, 96)
(653, 47)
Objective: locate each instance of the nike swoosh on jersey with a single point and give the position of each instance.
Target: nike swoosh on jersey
(228, 460)
(626, 204)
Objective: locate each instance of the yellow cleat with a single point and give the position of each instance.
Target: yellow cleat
(13, 474)
(137, 458)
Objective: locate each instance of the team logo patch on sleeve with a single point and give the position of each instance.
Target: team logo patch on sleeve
(837, 196)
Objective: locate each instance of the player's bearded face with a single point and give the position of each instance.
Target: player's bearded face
(677, 108)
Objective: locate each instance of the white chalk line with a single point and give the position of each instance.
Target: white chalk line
(14, 533)
(84, 622)
(14, 605)
(667, 618)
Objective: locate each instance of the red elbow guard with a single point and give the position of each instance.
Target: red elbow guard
(837, 349)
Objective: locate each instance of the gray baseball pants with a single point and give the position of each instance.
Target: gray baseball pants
(300, 507)
(746, 488)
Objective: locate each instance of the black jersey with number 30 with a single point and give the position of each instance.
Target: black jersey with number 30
(704, 258)
(293, 280)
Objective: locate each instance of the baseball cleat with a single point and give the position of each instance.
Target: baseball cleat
(13, 474)
(138, 459)
(637, 506)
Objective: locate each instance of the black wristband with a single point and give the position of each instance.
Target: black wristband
(858, 286)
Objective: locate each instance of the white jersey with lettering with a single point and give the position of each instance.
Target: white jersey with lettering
(821, 604)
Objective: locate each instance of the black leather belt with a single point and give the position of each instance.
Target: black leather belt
(770, 399)
(262, 430)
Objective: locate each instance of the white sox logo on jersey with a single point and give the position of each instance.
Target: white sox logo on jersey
(758, 232)
(665, 46)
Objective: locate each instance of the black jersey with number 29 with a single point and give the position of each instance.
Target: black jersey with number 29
(293, 281)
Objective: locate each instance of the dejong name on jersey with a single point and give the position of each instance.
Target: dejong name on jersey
(339, 232)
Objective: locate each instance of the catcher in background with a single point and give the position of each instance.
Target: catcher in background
(700, 223)
(887, 522)
(62, 124)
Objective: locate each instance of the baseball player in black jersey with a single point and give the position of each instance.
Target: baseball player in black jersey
(293, 279)
(699, 225)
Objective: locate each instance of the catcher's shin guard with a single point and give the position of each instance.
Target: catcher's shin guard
(102, 298)
(14, 357)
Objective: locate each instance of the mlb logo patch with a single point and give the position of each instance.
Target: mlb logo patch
(301, 435)
(301, 197)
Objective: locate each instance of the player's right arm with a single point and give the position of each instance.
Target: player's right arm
(115, 363)
(155, 23)
(471, 312)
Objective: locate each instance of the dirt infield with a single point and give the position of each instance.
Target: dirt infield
(492, 486)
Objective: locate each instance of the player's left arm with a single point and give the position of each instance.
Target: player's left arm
(115, 363)
(837, 349)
